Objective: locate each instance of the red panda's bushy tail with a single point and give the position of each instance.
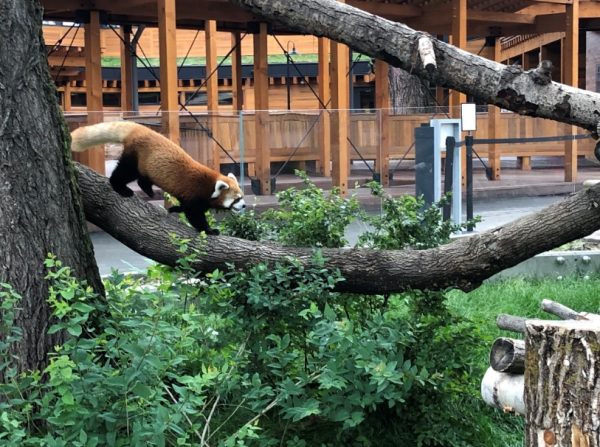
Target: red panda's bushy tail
(111, 132)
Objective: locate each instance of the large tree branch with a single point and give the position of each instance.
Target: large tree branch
(397, 44)
(464, 263)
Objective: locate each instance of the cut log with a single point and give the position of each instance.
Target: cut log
(562, 383)
(504, 391)
(508, 355)
(566, 313)
(511, 323)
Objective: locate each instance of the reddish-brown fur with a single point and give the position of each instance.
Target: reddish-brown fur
(153, 159)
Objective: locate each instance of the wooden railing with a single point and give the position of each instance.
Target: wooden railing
(297, 133)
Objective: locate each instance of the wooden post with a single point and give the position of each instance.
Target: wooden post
(212, 92)
(459, 39)
(67, 97)
(571, 77)
(127, 68)
(561, 383)
(382, 103)
(168, 69)
(261, 105)
(325, 97)
(494, 151)
(94, 157)
(340, 103)
(236, 72)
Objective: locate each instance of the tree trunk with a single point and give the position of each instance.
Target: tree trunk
(40, 208)
(407, 93)
(487, 81)
(562, 384)
(463, 264)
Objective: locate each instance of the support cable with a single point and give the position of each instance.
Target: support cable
(59, 41)
(62, 64)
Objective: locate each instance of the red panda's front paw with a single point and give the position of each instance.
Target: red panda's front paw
(212, 232)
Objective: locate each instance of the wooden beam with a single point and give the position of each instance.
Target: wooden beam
(571, 77)
(530, 44)
(236, 72)
(261, 105)
(325, 97)
(126, 70)
(94, 157)
(168, 69)
(391, 11)
(212, 92)
(382, 103)
(340, 103)
(498, 18)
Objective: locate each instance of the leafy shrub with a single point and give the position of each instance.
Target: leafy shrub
(268, 356)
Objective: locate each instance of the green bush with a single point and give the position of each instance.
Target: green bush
(268, 356)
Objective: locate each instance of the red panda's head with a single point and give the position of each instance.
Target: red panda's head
(228, 194)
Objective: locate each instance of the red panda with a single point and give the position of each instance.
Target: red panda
(153, 159)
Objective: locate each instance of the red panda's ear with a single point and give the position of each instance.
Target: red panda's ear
(219, 186)
(231, 175)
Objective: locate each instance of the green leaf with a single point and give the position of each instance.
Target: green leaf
(75, 330)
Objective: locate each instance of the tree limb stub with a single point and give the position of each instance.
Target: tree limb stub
(494, 83)
(462, 264)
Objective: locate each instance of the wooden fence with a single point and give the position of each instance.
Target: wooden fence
(295, 135)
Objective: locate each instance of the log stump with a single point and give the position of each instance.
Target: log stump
(562, 383)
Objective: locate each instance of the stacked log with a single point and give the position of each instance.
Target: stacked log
(552, 377)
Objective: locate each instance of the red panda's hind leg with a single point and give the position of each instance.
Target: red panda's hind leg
(125, 172)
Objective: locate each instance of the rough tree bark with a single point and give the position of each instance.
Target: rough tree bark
(407, 92)
(562, 384)
(487, 81)
(40, 208)
(464, 263)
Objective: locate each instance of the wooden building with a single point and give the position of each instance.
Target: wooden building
(381, 135)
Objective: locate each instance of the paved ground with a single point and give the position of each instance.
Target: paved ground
(516, 194)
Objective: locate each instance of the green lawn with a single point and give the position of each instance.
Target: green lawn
(522, 297)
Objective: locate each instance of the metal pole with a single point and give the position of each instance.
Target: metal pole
(469, 147)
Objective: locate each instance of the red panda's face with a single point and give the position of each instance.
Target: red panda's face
(228, 194)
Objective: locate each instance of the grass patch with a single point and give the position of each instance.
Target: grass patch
(523, 297)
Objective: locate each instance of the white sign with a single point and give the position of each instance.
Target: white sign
(468, 117)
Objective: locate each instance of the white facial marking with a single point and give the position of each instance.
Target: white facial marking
(232, 176)
(219, 186)
(239, 206)
(227, 202)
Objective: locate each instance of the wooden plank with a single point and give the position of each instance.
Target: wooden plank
(261, 105)
(168, 69)
(571, 77)
(325, 96)
(94, 157)
(236, 72)
(340, 102)
(382, 102)
(67, 97)
(212, 92)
